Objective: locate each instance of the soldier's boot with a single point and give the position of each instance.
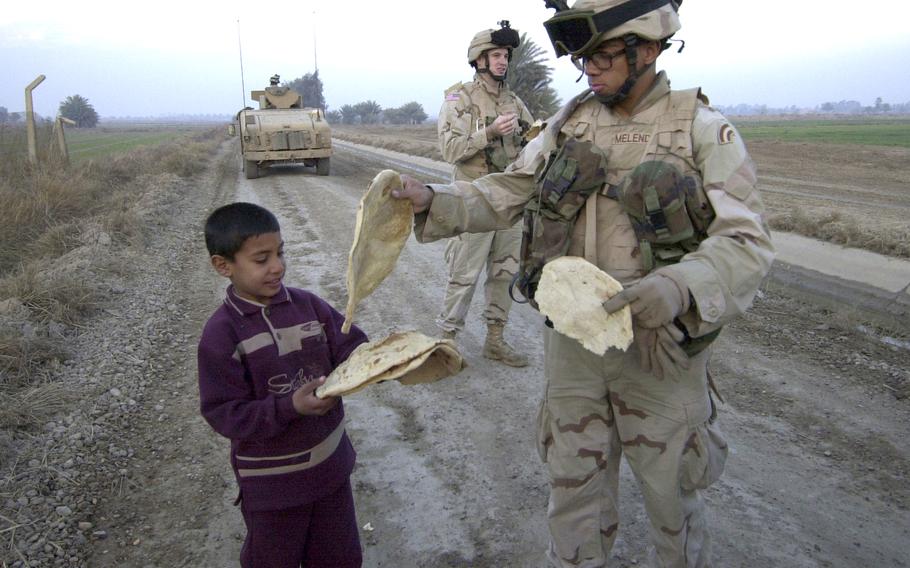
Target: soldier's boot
(496, 348)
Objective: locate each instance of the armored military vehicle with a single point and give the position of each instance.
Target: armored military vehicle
(282, 130)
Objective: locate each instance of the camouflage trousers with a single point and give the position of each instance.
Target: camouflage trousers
(466, 256)
(597, 409)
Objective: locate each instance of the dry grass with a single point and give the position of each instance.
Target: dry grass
(23, 358)
(32, 406)
(418, 140)
(50, 295)
(44, 206)
(36, 203)
(838, 228)
(63, 229)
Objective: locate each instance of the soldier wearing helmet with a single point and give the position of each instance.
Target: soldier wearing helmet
(480, 130)
(656, 188)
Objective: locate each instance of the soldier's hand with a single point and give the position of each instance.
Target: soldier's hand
(660, 351)
(419, 194)
(504, 124)
(656, 300)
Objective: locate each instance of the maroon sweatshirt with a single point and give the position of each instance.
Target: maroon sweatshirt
(251, 358)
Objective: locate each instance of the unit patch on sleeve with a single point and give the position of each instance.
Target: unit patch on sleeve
(726, 134)
(453, 96)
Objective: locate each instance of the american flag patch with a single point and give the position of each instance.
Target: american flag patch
(453, 96)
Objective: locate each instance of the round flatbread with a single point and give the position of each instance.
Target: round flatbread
(409, 356)
(571, 293)
(382, 228)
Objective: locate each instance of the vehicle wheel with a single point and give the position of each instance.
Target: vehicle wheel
(322, 166)
(251, 168)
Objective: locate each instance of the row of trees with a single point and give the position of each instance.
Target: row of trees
(854, 107)
(370, 112)
(839, 107)
(9, 117)
(75, 107)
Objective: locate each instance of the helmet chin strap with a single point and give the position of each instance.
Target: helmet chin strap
(499, 78)
(622, 93)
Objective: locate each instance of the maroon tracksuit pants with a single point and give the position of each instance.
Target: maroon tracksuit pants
(322, 534)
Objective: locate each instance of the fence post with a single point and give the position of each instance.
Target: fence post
(61, 138)
(30, 121)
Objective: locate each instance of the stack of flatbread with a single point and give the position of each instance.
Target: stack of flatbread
(571, 293)
(409, 356)
(382, 228)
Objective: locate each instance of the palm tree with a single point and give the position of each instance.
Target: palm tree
(530, 79)
(78, 109)
(310, 88)
(368, 111)
(348, 114)
(413, 112)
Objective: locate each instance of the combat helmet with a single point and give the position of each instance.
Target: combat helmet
(578, 30)
(486, 40)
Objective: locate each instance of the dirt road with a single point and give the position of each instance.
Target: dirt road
(816, 414)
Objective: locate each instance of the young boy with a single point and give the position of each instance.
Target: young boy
(261, 356)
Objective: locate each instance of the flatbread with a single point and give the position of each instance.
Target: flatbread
(382, 228)
(409, 356)
(571, 293)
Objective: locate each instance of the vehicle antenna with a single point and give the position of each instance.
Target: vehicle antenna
(242, 83)
(315, 62)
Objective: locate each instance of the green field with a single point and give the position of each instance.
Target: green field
(94, 143)
(873, 132)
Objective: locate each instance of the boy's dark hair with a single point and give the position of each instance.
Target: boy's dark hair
(229, 226)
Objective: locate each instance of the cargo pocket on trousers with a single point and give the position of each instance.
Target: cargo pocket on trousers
(703, 459)
(544, 435)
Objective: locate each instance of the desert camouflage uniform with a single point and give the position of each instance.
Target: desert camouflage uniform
(597, 408)
(468, 109)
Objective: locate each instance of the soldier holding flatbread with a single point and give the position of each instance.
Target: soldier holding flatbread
(480, 128)
(655, 188)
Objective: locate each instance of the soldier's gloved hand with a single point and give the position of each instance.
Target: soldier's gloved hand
(418, 193)
(660, 351)
(504, 125)
(656, 300)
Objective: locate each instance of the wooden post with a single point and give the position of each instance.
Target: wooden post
(30, 121)
(61, 138)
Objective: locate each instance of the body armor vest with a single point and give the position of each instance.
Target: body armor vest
(501, 152)
(662, 196)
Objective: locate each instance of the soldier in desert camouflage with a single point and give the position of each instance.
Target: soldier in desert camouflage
(480, 129)
(673, 214)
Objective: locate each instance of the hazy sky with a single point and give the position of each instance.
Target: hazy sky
(167, 57)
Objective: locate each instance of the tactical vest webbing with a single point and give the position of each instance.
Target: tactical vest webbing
(669, 213)
(499, 155)
(572, 173)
